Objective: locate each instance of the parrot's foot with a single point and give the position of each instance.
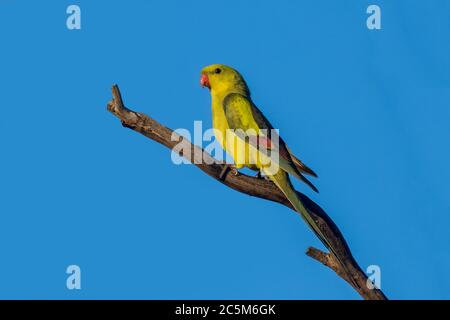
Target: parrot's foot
(226, 168)
(259, 175)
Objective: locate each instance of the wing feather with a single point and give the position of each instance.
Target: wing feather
(237, 108)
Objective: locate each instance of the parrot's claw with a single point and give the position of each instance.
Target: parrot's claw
(234, 170)
(259, 175)
(226, 168)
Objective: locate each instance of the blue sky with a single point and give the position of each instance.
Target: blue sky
(368, 110)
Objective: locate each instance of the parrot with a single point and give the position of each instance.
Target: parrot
(233, 109)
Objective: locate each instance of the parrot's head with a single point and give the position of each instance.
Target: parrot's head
(221, 78)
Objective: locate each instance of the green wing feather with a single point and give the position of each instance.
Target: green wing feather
(238, 108)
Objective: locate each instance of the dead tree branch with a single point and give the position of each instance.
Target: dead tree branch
(349, 270)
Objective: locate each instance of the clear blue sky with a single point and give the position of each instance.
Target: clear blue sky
(368, 110)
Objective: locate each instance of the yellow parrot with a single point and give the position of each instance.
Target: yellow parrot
(233, 109)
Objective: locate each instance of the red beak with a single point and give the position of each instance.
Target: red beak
(204, 81)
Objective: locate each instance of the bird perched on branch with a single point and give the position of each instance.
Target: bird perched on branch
(233, 111)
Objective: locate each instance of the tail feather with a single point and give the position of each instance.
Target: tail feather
(282, 181)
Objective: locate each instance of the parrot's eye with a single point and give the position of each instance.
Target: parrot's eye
(217, 70)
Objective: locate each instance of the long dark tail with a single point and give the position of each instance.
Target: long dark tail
(282, 181)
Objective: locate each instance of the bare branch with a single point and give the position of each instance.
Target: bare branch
(348, 270)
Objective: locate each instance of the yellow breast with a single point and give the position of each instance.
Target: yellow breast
(229, 142)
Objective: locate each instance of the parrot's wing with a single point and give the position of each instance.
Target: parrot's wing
(300, 165)
(238, 111)
(262, 122)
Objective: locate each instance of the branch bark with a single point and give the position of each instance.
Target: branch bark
(345, 266)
